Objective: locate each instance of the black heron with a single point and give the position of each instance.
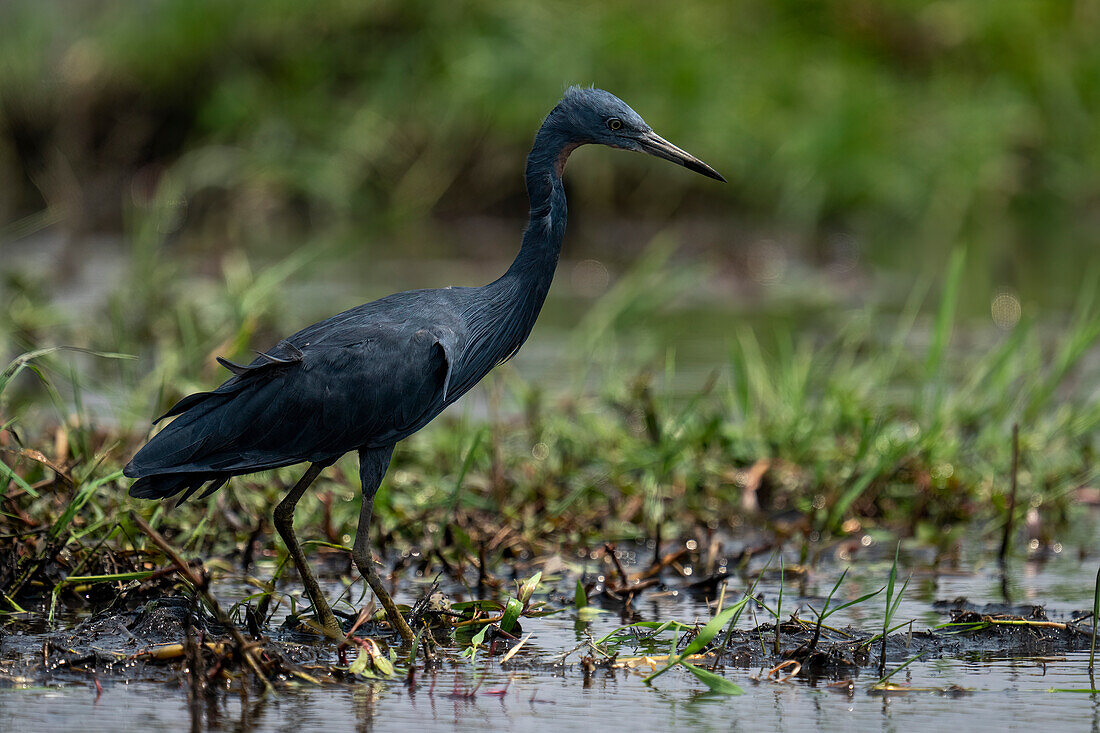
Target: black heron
(370, 376)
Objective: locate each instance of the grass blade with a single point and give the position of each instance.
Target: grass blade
(716, 683)
(704, 637)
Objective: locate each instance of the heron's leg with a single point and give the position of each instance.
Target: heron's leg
(372, 467)
(284, 523)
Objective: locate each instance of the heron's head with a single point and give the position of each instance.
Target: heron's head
(592, 115)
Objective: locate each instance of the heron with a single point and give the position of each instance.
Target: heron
(366, 378)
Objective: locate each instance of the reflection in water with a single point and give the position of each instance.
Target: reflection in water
(363, 702)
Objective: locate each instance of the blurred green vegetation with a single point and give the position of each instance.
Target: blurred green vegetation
(233, 145)
(906, 127)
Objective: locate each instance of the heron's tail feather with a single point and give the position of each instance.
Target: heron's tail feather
(161, 486)
(222, 433)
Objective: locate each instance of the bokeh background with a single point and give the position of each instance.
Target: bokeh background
(191, 178)
(889, 132)
(900, 128)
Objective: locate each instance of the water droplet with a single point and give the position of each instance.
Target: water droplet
(1006, 311)
(590, 278)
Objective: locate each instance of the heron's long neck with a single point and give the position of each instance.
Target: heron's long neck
(517, 297)
(533, 269)
(500, 315)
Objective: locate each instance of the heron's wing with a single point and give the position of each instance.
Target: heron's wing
(283, 354)
(366, 386)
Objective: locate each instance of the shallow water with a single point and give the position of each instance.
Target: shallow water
(1004, 696)
(980, 688)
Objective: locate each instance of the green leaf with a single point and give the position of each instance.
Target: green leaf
(908, 661)
(528, 588)
(861, 599)
(478, 639)
(361, 666)
(467, 463)
(511, 613)
(657, 626)
(8, 474)
(23, 361)
(382, 663)
(580, 598)
(708, 632)
(704, 637)
(945, 317)
(370, 661)
(590, 613)
(484, 604)
(78, 501)
(716, 683)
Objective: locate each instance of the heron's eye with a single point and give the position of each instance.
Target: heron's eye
(614, 123)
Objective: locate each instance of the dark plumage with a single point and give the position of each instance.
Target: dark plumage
(370, 376)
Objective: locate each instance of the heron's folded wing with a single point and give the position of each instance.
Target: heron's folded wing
(337, 396)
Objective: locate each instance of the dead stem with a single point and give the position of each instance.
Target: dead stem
(201, 587)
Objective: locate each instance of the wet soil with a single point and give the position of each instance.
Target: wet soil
(151, 649)
(155, 638)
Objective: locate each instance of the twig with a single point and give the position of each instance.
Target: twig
(609, 549)
(1012, 494)
(201, 588)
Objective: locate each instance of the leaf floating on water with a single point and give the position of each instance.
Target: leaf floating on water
(716, 683)
(175, 651)
(590, 613)
(652, 660)
(361, 666)
(512, 652)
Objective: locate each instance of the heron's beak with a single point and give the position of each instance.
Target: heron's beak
(654, 144)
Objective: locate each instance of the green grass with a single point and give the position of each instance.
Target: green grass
(895, 421)
(702, 639)
(892, 603)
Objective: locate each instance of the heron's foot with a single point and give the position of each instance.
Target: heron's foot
(331, 627)
(397, 621)
(324, 622)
